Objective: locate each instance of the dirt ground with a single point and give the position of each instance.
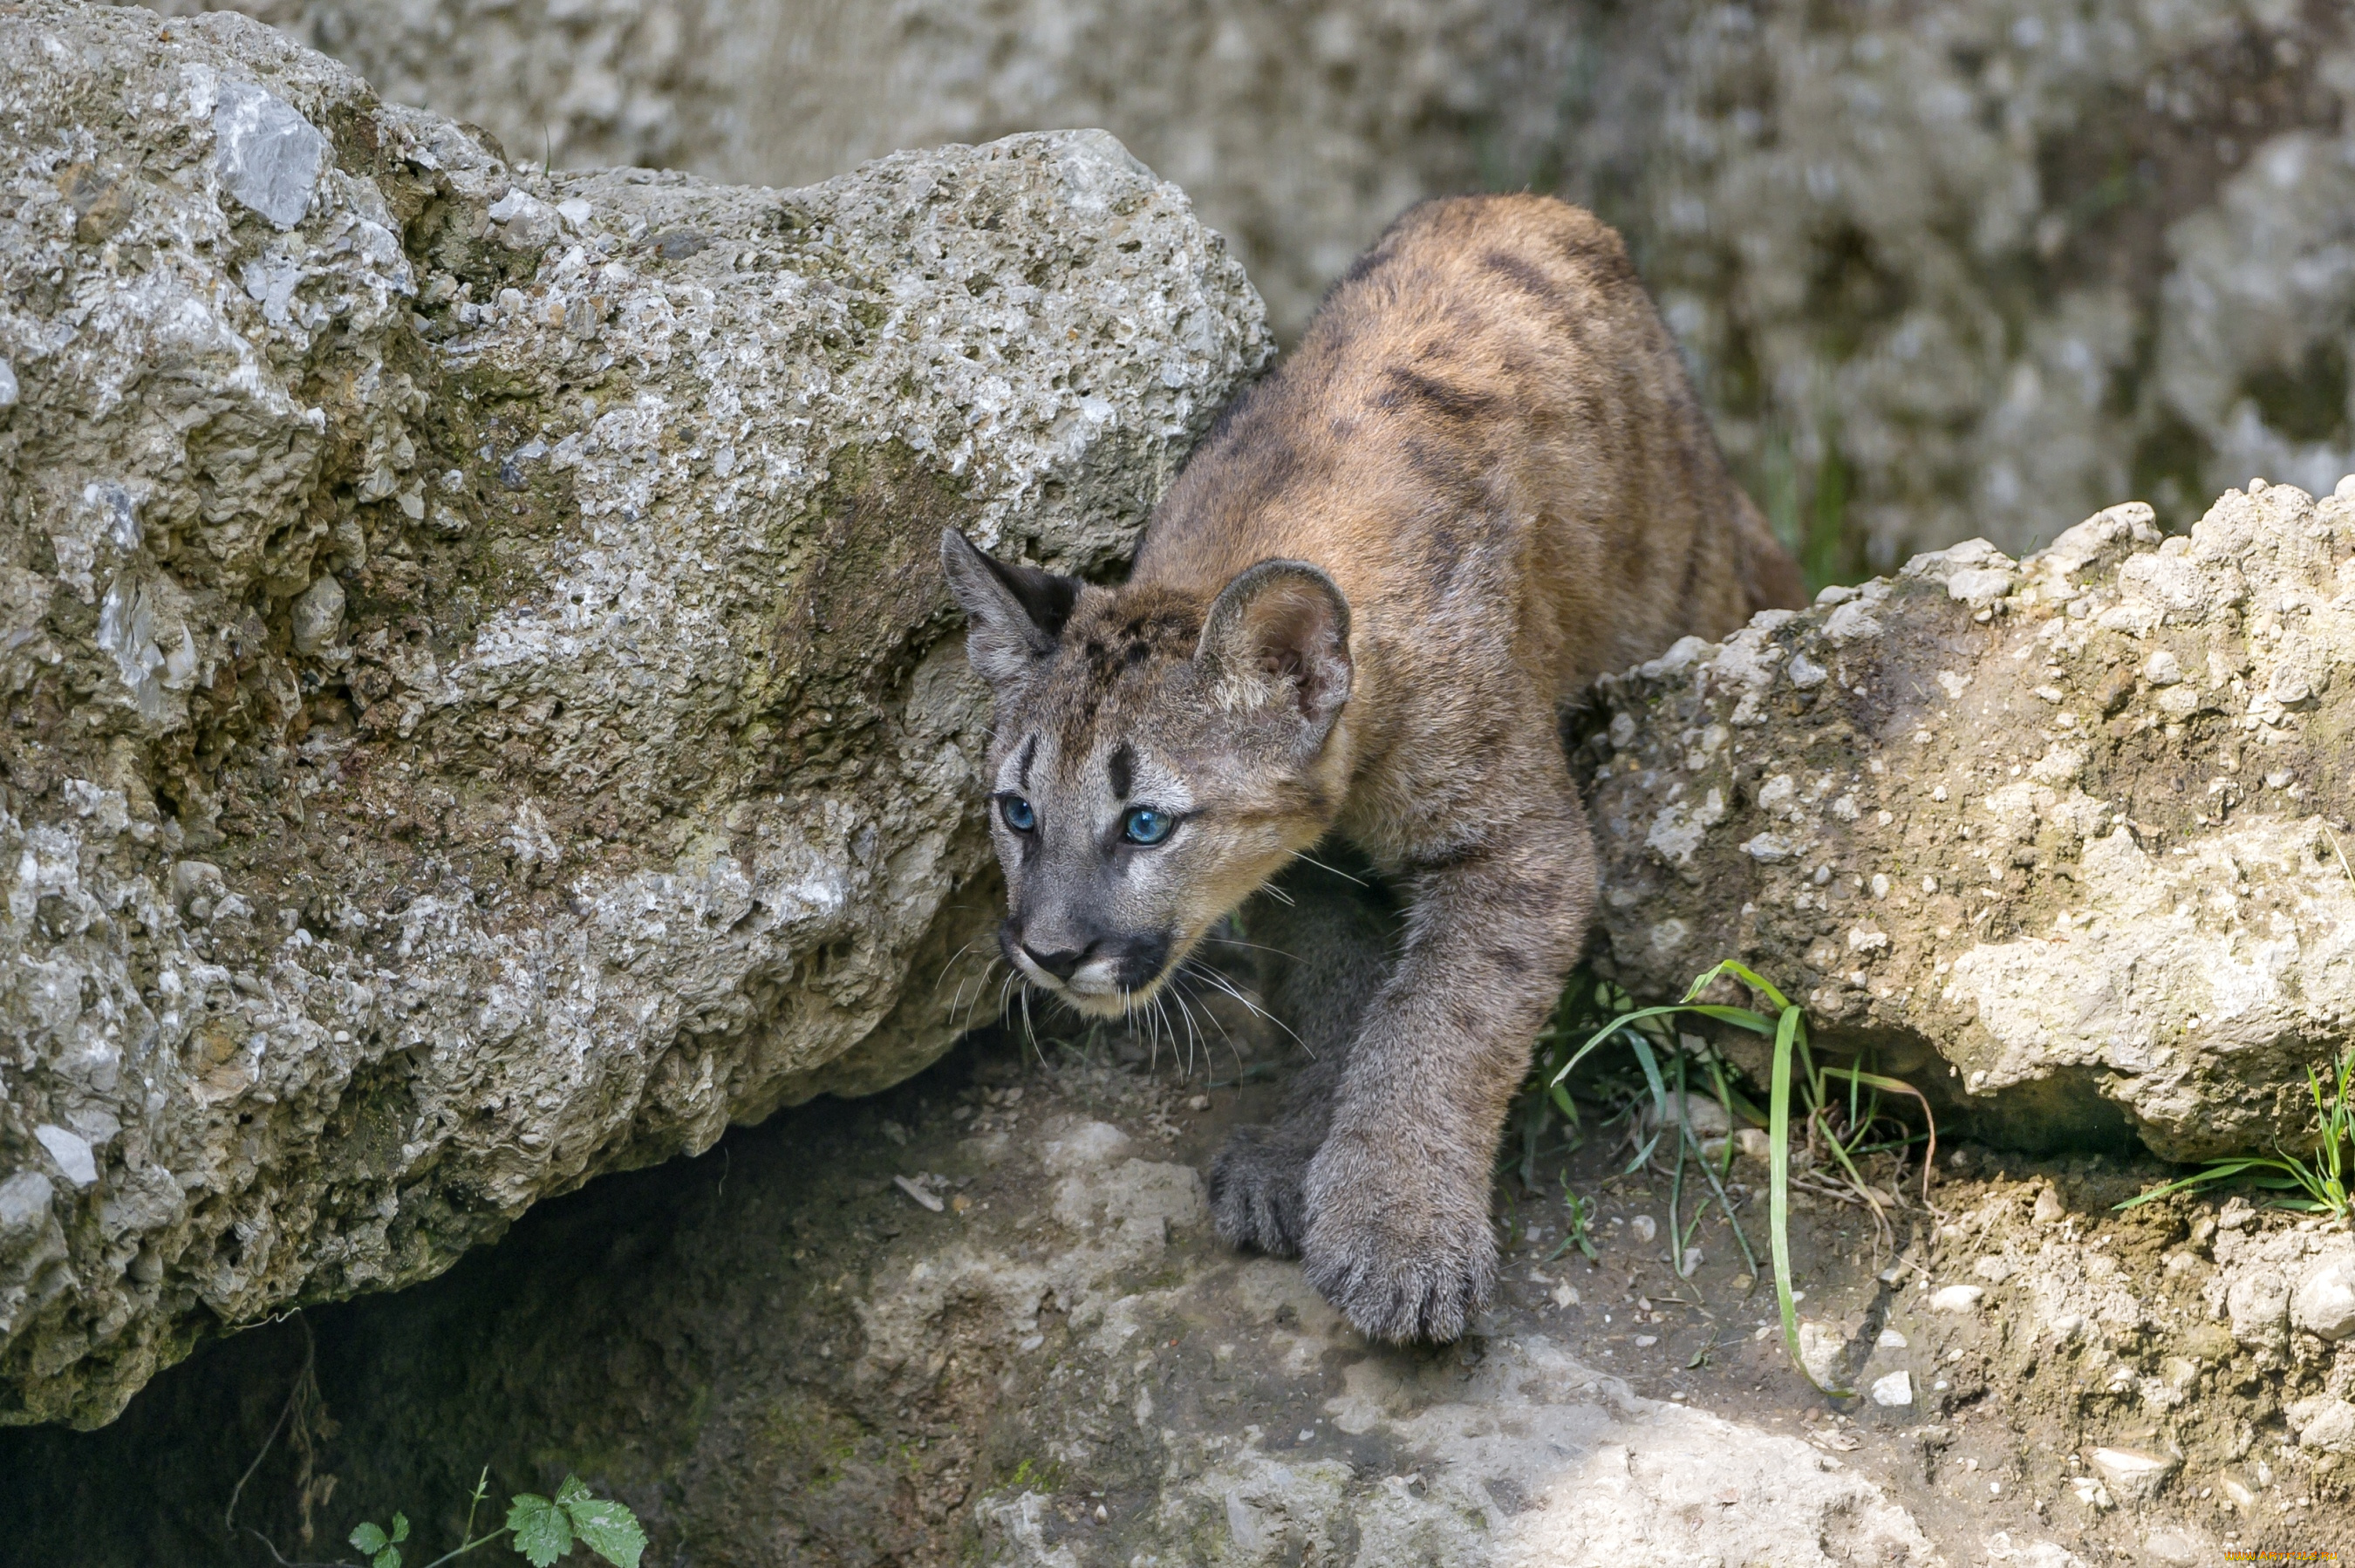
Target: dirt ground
(782, 1352)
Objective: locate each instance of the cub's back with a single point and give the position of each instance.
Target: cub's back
(1487, 439)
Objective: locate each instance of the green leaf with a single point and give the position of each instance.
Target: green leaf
(387, 1558)
(369, 1538)
(400, 1526)
(542, 1533)
(1778, 1187)
(607, 1529)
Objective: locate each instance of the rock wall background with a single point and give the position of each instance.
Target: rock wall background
(1943, 271)
(478, 703)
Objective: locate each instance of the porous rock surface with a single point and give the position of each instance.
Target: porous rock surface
(476, 703)
(1968, 268)
(2076, 823)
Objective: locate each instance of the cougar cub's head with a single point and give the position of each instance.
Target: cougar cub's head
(1154, 759)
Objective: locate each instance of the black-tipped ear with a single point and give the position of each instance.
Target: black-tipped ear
(1279, 634)
(1015, 612)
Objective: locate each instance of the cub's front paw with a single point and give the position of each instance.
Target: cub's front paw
(1255, 1192)
(1403, 1247)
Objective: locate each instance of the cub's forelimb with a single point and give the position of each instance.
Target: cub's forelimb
(1323, 939)
(1397, 1196)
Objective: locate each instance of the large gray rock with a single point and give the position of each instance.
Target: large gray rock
(2077, 825)
(1970, 269)
(478, 703)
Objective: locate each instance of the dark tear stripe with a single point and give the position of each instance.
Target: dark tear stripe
(1122, 768)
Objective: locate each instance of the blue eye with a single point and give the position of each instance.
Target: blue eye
(1018, 813)
(1143, 825)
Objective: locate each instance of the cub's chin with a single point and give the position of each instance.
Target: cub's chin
(1110, 1001)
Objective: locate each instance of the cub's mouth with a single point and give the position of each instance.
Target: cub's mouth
(1106, 977)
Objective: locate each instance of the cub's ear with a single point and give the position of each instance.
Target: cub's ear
(1279, 634)
(1016, 612)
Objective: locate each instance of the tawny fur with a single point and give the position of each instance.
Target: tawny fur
(1480, 480)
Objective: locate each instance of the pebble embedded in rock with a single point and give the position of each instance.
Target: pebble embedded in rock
(2132, 1475)
(1894, 1391)
(70, 1150)
(2323, 1301)
(318, 618)
(268, 154)
(1957, 1298)
(2324, 1424)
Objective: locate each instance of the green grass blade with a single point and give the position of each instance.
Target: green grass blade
(1778, 1130)
(1748, 976)
(2219, 1172)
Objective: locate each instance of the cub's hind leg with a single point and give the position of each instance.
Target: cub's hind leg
(1322, 958)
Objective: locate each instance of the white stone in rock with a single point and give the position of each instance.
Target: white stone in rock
(2323, 1301)
(2257, 1302)
(70, 1150)
(1980, 586)
(318, 617)
(1957, 1298)
(266, 153)
(2132, 1475)
(1821, 1346)
(1894, 1391)
(25, 1201)
(2324, 1424)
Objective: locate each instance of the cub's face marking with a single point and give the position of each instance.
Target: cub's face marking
(1154, 760)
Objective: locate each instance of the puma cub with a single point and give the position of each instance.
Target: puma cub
(1479, 482)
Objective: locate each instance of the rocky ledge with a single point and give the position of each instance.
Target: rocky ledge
(2065, 840)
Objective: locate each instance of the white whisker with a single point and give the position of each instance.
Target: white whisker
(1193, 1035)
(1302, 855)
(1215, 978)
(1262, 946)
(951, 965)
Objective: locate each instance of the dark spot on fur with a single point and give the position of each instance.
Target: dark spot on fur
(1451, 859)
(1122, 770)
(1509, 960)
(1138, 652)
(1522, 274)
(1409, 388)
